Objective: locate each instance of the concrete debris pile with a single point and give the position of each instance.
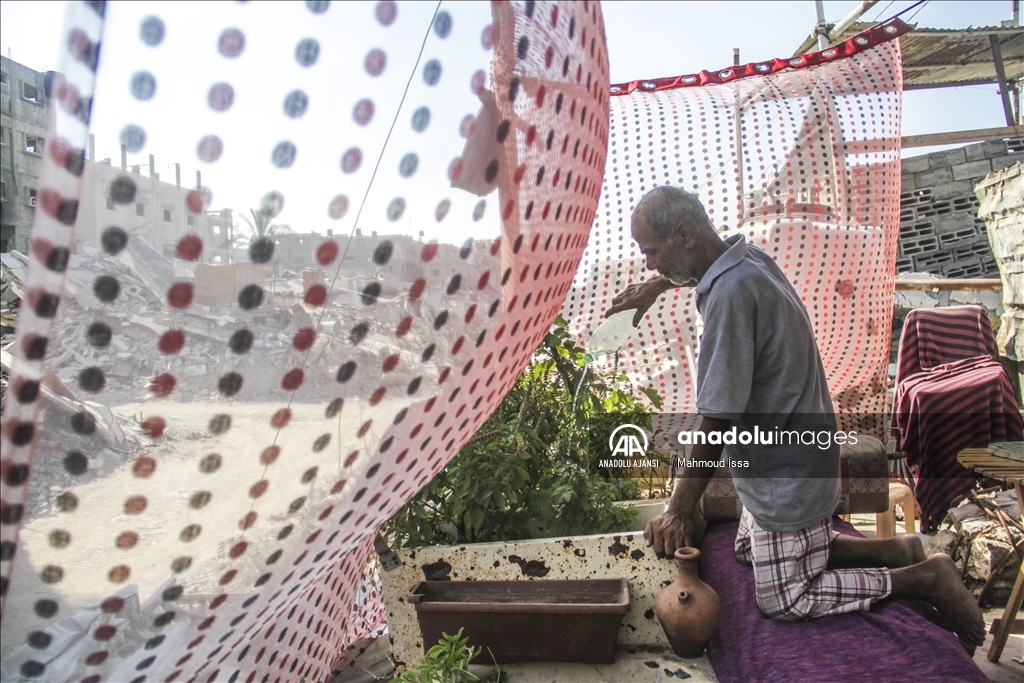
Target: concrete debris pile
(67, 423)
(986, 540)
(1001, 198)
(12, 291)
(114, 311)
(118, 292)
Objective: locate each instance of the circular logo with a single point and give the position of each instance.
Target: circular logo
(622, 444)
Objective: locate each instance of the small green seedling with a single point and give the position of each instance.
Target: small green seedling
(446, 662)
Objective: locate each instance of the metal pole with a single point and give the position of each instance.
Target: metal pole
(1015, 86)
(180, 221)
(1004, 86)
(848, 20)
(738, 132)
(738, 128)
(821, 28)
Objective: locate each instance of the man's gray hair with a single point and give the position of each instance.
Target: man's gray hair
(664, 208)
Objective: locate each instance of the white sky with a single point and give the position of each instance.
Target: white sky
(645, 40)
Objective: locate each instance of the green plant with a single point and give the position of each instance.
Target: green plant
(260, 225)
(529, 468)
(446, 662)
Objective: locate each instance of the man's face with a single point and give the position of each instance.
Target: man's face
(673, 257)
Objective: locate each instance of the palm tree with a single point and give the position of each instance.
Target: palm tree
(259, 226)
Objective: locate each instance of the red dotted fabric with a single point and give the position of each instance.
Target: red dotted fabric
(276, 402)
(804, 161)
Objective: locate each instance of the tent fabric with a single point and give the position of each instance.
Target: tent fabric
(218, 525)
(193, 474)
(805, 162)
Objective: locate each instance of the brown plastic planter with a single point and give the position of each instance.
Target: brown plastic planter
(526, 621)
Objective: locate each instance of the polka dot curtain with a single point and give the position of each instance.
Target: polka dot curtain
(287, 258)
(799, 155)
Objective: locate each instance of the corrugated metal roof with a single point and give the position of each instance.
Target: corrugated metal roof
(935, 57)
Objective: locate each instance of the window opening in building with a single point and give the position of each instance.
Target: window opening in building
(167, 215)
(31, 93)
(140, 209)
(33, 144)
(110, 204)
(31, 197)
(191, 221)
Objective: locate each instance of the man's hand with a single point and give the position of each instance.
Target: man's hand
(668, 532)
(640, 296)
(674, 529)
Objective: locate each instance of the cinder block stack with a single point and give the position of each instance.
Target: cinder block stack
(940, 231)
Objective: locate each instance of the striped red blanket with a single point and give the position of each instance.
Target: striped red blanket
(951, 394)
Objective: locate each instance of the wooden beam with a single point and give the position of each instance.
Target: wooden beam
(909, 84)
(951, 285)
(1001, 31)
(954, 137)
(1008, 62)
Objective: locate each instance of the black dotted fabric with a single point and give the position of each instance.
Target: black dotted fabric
(284, 397)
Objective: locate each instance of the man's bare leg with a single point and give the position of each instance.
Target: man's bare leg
(934, 580)
(937, 582)
(850, 551)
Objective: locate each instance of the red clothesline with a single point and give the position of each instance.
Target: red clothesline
(865, 40)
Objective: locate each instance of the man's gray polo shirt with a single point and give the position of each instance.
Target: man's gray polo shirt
(759, 366)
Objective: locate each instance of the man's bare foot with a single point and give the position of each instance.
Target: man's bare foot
(937, 581)
(954, 600)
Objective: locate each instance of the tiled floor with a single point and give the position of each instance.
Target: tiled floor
(647, 664)
(1007, 670)
(657, 664)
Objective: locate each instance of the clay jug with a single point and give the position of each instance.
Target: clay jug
(688, 608)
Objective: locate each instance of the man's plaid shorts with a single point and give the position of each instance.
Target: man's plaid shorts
(790, 576)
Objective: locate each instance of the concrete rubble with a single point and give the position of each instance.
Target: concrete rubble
(64, 420)
(987, 551)
(139, 315)
(1001, 198)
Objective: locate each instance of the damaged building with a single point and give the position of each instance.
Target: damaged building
(23, 118)
(156, 214)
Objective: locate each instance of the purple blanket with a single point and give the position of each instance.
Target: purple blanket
(892, 642)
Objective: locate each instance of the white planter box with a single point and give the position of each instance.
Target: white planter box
(622, 555)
